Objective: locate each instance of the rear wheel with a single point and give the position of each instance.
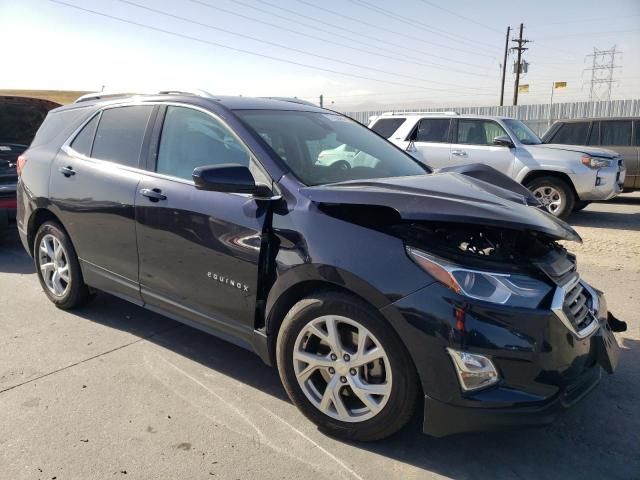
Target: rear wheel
(555, 194)
(345, 368)
(58, 268)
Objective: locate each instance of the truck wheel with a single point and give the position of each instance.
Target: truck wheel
(58, 268)
(580, 205)
(555, 194)
(345, 368)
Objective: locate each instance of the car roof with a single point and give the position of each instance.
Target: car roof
(418, 115)
(592, 119)
(228, 102)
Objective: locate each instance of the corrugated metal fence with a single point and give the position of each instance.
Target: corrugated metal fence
(536, 116)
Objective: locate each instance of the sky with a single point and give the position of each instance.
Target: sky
(359, 54)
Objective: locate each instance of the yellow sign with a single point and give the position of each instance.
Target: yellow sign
(523, 88)
(559, 84)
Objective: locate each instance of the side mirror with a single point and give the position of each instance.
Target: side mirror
(229, 177)
(503, 141)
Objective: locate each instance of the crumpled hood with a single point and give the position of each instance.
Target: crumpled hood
(594, 152)
(445, 197)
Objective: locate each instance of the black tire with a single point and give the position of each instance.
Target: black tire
(403, 395)
(580, 205)
(567, 196)
(76, 292)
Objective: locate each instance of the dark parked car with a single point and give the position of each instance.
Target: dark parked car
(20, 118)
(621, 134)
(375, 289)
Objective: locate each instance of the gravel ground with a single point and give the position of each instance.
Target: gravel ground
(114, 391)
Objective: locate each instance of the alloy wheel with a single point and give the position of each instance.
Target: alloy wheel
(342, 368)
(550, 197)
(54, 265)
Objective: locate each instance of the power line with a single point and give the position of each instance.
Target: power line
(279, 45)
(420, 25)
(604, 64)
(236, 49)
(378, 27)
(595, 34)
(308, 35)
(354, 33)
(520, 48)
(450, 12)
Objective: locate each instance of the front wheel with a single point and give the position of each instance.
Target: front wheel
(554, 194)
(345, 368)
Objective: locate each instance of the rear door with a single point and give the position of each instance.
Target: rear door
(199, 250)
(431, 139)
(636, 143)
(93, 187)
(474, 144)
(617, 135)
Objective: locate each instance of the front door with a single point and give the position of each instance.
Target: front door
(199, 250)
(473, 143)
(92, 188)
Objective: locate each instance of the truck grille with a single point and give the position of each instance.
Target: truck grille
(577, 307)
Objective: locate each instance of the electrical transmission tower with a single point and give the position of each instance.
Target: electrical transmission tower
(603, 66)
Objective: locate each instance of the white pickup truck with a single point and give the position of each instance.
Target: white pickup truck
(564, 178)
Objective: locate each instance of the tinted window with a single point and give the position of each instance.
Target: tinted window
(574, 133)
(637, 128)
(387, 126)
(299, 138)
(83, 141)
(594, 134)
(478, 132)
(433, 130)
(120, 134)
(191, 139)
(615, 132)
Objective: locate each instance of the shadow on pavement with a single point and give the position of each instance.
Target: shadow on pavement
(597, 438)
(606, 220)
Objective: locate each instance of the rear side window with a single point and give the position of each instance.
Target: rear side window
(574, 133)
(120, 134)
(386, 127)
(83, 141)
(615, 133)
(57, 123)
(478, 132)
(433, 130)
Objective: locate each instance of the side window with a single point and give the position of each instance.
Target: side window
(386, 127)
(637, 128)
(615, 133)
(572, 133)
(120, 134)
(433, 130)
(84, 140)
(478, 132)
(191, 138)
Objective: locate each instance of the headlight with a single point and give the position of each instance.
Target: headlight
(595, 162)
(502, 288)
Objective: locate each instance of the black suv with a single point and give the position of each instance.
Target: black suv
(373, 284)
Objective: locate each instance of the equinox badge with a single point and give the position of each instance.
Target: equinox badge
(228, 281)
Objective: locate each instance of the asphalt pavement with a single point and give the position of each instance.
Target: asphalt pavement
(114, 391)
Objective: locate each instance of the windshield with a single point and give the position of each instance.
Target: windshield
(524, 133)
(325, 148)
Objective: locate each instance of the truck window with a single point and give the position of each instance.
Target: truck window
(433, 130)
(478, 132)
(386, 127)
(615, 133)
(572, 133)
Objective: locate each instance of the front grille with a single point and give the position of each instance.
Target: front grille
(577, 307)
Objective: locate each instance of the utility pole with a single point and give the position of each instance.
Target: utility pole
(504, 66)
(603, 65)
(520, 48)
(321, 100)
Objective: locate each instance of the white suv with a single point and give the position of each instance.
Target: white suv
(564, 178)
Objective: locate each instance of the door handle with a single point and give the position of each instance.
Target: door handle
(67, 171)
(153, 194)
(459, 153)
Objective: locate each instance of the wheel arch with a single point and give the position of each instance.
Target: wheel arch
(36, 219)
(535, 174)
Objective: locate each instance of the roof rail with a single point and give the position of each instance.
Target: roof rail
(293, 100)
(420, 113)
(106, 95)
